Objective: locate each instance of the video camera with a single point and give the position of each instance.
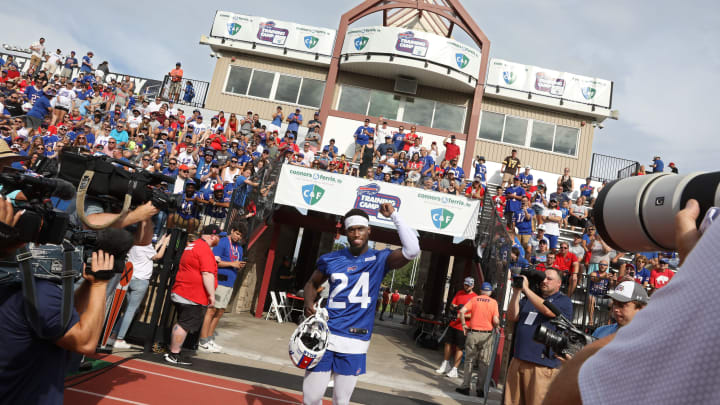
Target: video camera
(566, 340)
(113, 181)
(535, 277)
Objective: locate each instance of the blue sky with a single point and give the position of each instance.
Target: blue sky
(662, 55)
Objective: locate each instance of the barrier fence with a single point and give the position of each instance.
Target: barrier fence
(187, 91)
(604, 167)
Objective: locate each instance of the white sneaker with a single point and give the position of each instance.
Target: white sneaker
(205, 347)
(452, 373)
(214, 347)
(121, 344)
(444, 367)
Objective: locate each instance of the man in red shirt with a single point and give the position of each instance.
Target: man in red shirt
(455, 337)
(660, 277)
(385, 302)
(408, 302)
(176, 76)
(394, 299)
(452, 151)
(566, 261)
(194, 290)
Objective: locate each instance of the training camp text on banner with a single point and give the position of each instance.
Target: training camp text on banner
(428, 211)
(551, 83)
(415, 44)
(277, 33)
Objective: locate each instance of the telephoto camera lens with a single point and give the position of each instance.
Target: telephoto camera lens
(637, 214)
(548, 337)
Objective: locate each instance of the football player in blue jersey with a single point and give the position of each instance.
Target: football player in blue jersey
(355, 274)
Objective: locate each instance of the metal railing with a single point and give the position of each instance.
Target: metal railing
(604, 167)
(630, 170)
(193, 95)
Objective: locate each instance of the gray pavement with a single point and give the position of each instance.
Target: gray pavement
(396, 366)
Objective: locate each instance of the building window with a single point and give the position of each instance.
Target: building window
(311, 92)
(274, 86)
(491, 126)
(392, 106)
(418, 111)
(544, 136)
(261, 84)
(354, 100)
(515, 131)
(385, 104)
(238, 80)
(566, 139)
(287, 89)
(449, 117)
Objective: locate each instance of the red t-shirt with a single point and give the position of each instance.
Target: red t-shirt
(659, 278)
(395, 297)
(217, 141)
(499, 201)
(408, 299)
(409, 141)
(198, 258)
(386, 297)
(460, 299)
(565, 262)
(451, 151)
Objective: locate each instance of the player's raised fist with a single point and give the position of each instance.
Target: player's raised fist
(387, 209)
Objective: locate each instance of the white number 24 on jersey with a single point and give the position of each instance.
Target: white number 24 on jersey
(358, 294)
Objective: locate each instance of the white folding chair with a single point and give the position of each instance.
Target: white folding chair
(276, 308)
(290, 306)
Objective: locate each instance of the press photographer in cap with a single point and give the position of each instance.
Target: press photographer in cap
(676, 334)
(36, 341)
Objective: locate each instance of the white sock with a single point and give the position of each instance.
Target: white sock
(444, 364)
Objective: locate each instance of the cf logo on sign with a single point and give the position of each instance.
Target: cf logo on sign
(441, 217)
(312, 194)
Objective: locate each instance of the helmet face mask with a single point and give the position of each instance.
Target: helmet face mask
(309, 341)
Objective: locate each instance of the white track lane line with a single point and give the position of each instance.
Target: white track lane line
(127, 401)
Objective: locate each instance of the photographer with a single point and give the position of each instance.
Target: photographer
(530, 372)
(35, 356)
(677, 332)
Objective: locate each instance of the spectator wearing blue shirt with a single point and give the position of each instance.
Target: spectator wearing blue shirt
(628, 298)
(587, 191)
(481, 169)
(513, 199)
(657, 165)
(230, 253)
(87, 63)
(428, 164)
(382, 149)
(457, 170)
(522, 220)
(172, 169)
(398, 139)
(517, 258)
(362, 136)
(295, 120)
(120, 135)
(40, 110)
(244, 186)
(71, 63)
(526, 177)
(530, 372)
(331, 149)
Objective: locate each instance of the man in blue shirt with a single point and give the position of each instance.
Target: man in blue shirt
(628, 298)
(522, 220)
(481, 169)
(229, 257)
(40, 110)
(331, 149)
(459, 172)
(526, 177)
(513, 199)
(658, 165)
(362, 136)
(399, 139)
(120, 135)
(87, 63)
(530, 371)
(355, 274)
(382, 149)
(295, 120)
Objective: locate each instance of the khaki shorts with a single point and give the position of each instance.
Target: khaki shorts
(35, 60)
(222, 296)
(175, 87)
(507, 177)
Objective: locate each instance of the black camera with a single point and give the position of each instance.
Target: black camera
(41, 223)
(566, 340)
(535, 277)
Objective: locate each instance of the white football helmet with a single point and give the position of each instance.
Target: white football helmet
(309, 341)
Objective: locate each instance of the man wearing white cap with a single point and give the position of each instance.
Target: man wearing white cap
(628, 298)
(455, 338)
(355, 274)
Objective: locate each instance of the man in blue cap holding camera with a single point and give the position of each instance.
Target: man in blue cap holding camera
(484, 317)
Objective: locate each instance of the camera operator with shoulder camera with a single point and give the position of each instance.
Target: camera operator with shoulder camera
(531, 371)
(35, 340)
(673, 340)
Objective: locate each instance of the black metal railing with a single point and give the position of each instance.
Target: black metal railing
(604, 167)
(630, 170)
(187, 91)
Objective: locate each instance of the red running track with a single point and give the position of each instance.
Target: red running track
(140, 382)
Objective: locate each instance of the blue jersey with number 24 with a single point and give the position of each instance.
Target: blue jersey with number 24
(354, 286)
